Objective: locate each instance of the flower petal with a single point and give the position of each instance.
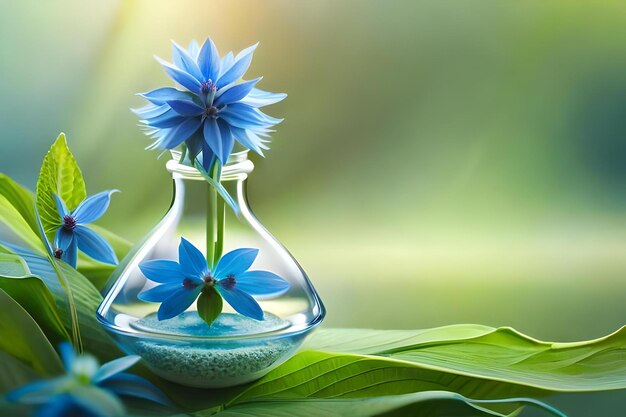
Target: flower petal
(235, 262)
(262, 283)
(209, 60)
(63, 238)
(241, 302)
(40, 391)
(228, 140)
(247, 139)
(183, 60)
(161, 95)
(180, 133)
(115, 367)
(178, 302)
(246, 117)
(186, 108)
(150, 111)
(239, 67)
(134, 386)
(166, 120)
(260, 98)
(181, 77)
(213, 138)
(226, 63)
(92, 208)
(61, 207)
(98, 401)
(93, 245)
(235, 92)
(191, 260)
(64, 405)
(208, 157)
(68, 355)
(70, 254)
(159, 293)
(162, 270)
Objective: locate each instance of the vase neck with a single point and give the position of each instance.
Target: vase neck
(237, 168)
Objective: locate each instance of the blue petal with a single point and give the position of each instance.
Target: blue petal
(181, 77)
(115, 367)
(262, 283)
(150, 111)
(226, 63)
(193, 49)
(239, 67)
(63, 238)
(235, 262)
(247, 139)
(235, 93)
(228, 140)
(213, 138)
(61, 207)
(166, 120)
(246, 117)
(184, 61)
(191, 260)
(194, 144)
(64, 405)
(70, 254)
(98, 401)
(135, 386)
(209, 60)
(208, 157)
(159, 293)
(178, 302)
(68, 355)
(94, 245)
(38, 392)
(162, 270)
(92, 208)
(241, 302)
(185, 107)
(161, 95)
(260, 98)
(180, 133)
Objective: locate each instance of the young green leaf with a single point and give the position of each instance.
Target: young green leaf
(209, 305)
(59, 175)
(20, 198)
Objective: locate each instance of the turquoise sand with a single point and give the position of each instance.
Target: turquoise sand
(208, 363)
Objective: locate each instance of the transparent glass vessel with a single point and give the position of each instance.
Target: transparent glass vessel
(234, 349)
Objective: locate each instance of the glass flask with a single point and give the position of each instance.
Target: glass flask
(234, 349)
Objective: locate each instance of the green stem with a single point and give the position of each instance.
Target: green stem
(76, 339)
(214, 218)
(219, 244)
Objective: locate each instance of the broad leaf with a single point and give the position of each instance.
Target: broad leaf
(33, 295)
(426, 404)
(59, 175)
(12, 218)
(14, 373)
(21, 337)
(20, 198)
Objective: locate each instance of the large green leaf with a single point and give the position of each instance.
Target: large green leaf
(12, 218)
(32, 294)
(21, 337)
(20, 198)
(426, 404)
(59, 175)
(14, 373)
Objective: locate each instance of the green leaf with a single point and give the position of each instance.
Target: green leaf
(210, 305)
(33, 295)
(14, 373)
(218, 186)
(59, 175)
(21, 337)
(12, 218)
(20, 198)
(426, 404)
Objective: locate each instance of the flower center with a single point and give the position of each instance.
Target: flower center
(211, 111)
(69, 223)
(229, 282)
(209, 281)
(58, 253)
(207, 86)
(189, 284)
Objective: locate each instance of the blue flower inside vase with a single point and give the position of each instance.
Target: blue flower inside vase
(210, 298)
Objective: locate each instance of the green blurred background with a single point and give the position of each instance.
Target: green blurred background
(440, 161)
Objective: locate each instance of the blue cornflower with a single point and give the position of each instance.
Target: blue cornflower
(184, 281)
(87, 389)
(73, 234)
(214, 110)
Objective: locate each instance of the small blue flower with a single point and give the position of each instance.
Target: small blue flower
(183, 281)
(87, 389)
(214, 110)
(73, 234)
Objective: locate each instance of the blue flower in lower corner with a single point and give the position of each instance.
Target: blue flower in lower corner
(73, 234)
(87, 389)
(184, 281)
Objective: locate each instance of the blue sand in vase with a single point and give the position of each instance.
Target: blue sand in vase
(213, 363)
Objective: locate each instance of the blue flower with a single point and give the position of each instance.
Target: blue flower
(87, 389)
(214, 110)
(73, 234)
(184, 281)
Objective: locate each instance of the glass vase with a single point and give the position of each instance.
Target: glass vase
(234, 349)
